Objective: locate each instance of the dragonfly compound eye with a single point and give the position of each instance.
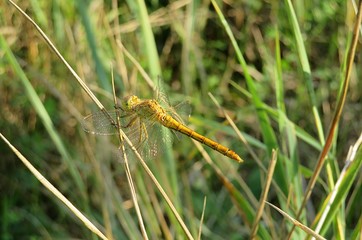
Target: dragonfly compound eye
(130, 102)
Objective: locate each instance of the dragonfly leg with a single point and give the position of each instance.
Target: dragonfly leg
(130, 123)
(123, 113)
(143, 135)
(117, 107)
(144, 131)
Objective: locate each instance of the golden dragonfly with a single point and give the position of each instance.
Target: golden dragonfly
(138, 115)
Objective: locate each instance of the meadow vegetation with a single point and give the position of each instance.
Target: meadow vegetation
(265, 78)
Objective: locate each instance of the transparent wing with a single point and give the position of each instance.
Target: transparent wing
(145, 134)
(159, 137)
(181, 111)
(160, 93)
(98, 123)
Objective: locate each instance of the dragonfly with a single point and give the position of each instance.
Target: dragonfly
(138, 115)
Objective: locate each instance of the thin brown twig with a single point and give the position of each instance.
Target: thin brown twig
(297, 223)
(264, 195)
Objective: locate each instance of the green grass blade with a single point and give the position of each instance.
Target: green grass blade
(302, 53)
(99, 66)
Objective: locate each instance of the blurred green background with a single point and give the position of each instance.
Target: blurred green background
(185, 43)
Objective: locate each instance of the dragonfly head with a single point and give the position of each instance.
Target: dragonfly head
(130, 102)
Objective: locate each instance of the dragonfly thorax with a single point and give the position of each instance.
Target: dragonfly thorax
(144, 108)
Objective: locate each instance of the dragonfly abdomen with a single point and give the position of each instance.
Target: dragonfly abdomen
(170, 122)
